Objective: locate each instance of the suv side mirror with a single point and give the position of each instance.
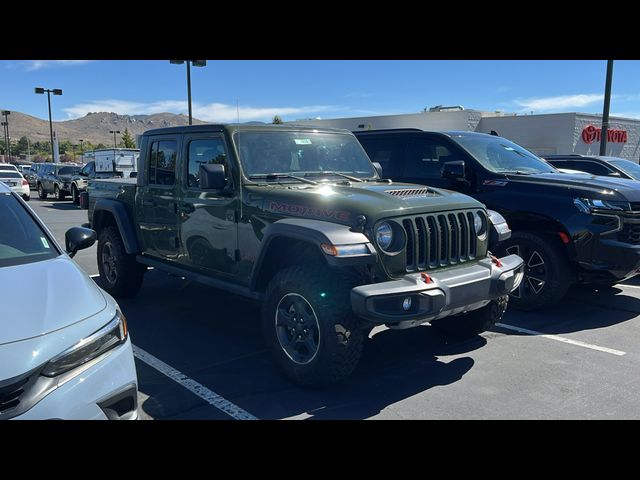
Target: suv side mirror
(378, 168)
(212, 177)
(454, 170)
(79, 238)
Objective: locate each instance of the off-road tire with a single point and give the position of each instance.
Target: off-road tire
(557, 267)
(41, 193)
(123, 277)
(340, 334)
(75, 196)
(474, 322)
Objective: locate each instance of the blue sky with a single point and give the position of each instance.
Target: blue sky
(326, 89)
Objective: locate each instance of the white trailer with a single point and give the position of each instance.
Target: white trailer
(113, 160)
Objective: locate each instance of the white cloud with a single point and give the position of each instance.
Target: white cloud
(211, 112)
(32, 65)
(560, 102)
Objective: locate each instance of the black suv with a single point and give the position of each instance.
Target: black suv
(597, 165)
(567, 228)
(55, 178)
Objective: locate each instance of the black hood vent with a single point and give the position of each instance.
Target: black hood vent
(413, 192)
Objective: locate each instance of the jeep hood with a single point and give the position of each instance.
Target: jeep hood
(344, 203)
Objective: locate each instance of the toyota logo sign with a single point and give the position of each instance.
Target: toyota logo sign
(590, 134)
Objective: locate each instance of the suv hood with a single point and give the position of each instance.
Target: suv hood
(60, 296)
(342, 203)
(589, 186)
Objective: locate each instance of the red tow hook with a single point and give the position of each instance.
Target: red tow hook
(426, 278)
(495, 260)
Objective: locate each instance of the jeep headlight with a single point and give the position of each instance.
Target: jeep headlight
(111, 335)
(589, 205)
(384, 236)
(479, 223)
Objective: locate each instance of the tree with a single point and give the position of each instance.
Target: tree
(100, 146)
(22, 146)
(127, 140)
(277, 120)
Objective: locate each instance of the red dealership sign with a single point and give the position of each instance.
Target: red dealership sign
(590, 134)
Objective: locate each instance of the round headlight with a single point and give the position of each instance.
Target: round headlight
(479, 224)
(384, 236)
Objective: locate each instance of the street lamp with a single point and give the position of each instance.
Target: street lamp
(55, 91)
(114, 138)
(196, 63)
(7, 138)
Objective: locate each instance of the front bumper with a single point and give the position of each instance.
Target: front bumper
(450, 292)
(107, 389)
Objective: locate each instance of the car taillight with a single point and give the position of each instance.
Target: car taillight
(24, 182)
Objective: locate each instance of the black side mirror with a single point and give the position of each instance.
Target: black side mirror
(79, 238)
(454, 170)
(212, 177)
(133, 175)
(378, 168)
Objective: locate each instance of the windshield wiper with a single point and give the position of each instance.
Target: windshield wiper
(275, 176)
(516, 172)
(322, 174)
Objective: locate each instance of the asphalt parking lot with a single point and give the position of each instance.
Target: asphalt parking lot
(200, 355)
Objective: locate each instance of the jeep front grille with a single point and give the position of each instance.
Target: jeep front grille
(439, 240)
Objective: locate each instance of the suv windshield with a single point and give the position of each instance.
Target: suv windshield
(21, 238)
(627, 166)
(301, 153)
(68, 170)
(502, 156)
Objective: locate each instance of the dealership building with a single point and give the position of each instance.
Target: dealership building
(545, 134)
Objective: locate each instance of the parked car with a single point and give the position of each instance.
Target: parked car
(32, 174)
(8, 167)
(597, 165)
(65, 353)
(567, 228)
(56, 178)
(16, 182)
(80, 181)
(302, 223)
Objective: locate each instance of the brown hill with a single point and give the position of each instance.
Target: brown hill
(93, 127)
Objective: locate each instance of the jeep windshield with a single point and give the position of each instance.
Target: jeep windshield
(293, 155)
(502, 156)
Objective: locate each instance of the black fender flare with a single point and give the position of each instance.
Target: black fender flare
(123, 221)
(316, 232)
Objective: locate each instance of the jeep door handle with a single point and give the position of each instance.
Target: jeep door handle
(149, 203)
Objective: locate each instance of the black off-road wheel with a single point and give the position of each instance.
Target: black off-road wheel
(474, 322)
(74, 195)
(120, 274)
(308, 325)
(58, 193)
(41, 193)
(547, 275)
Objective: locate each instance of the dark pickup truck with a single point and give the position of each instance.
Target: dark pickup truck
(299, 220)
(567, 228)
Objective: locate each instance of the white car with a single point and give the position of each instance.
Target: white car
(14, 180)
(65, 352)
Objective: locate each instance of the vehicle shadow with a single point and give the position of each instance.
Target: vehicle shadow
(215, 338)
(68, 205)
(584, 308)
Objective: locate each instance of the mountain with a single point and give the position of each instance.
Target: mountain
(93, 127)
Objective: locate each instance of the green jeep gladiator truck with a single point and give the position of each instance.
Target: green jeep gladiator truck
(300, 220)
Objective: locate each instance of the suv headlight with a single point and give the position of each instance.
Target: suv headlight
(589, 205)
(384, 236)
(110, 336)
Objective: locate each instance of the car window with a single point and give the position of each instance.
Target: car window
(591, 167)
(68, 170)
(21, 238)
(627, 166)
(425, 158)
(162, 165)
(387, 151)
(202, 152)
(8, 174)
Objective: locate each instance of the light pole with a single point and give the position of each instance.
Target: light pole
(605, 110)
(6, 114)
(55, 91)
(114, 138)
(82, 150)
(6, 142)
(196, 63)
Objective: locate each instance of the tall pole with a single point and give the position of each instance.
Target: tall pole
(28, 150)
(6, 114)
(605, 111)
(50, 124)
(189, 88)
(6, 142)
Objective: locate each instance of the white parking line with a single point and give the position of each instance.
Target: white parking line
(198, 389)
(562, 339)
